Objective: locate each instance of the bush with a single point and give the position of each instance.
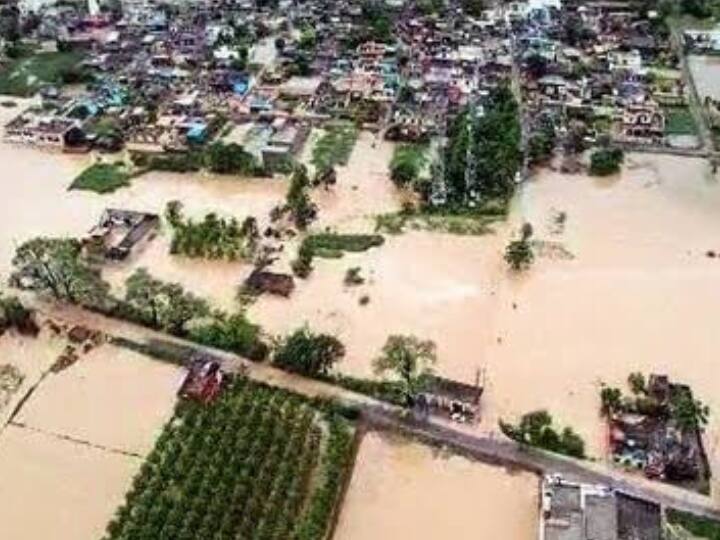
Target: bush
(332, 242)
(309, 354)
(535, 429)
(606, 161)
(232, 333)
(407, 163)
(102, 178)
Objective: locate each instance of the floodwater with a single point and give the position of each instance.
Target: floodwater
(55, 488)
(706, 74)
(363, 188)
(32, 358)
(110, 397)
(640, 295)
(35, 201)
(406, 491)
(624, 284)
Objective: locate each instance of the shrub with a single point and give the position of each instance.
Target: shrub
(232, 333)
(102, 178)
(309, 354)
(606, 161)
(535, 429)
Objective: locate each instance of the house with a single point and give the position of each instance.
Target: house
(119, 231)
(643, 122)
(578, 511)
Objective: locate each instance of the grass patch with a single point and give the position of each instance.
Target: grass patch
(335, 146)
(256, 463)
(679, 121)
(102, 178)
(25, 75)
(463, 222)
(332, 246)
(701, 527)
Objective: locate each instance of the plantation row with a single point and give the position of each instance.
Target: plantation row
(248, 466)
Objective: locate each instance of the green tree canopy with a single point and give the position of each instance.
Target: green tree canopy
(410, 360)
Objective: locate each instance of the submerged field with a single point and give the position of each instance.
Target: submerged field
(622, 281)
(78, 437)
(403, 490)
(258, 463)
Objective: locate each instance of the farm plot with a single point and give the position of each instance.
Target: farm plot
(257, 463)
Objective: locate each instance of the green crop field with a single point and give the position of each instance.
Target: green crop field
(258, 463)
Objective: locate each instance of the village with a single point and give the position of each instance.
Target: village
(317, 269)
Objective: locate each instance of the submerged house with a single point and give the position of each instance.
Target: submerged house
(119, 231)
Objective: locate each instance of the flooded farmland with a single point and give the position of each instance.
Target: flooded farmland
(622, 281)
(404, 490)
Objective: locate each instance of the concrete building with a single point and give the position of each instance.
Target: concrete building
(575, 511)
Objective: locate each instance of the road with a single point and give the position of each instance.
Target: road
(436, 431)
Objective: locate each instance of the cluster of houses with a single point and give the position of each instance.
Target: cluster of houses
(170, 76)
(604, 69)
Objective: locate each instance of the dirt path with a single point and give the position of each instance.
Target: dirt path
(435, 431)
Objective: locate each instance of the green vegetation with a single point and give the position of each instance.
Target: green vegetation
(519, 254)
(232, 158)
(213, 237)
(308, 353)
(542, 143)
(56, 266)
(161, 305)
(255, 463)
(13, 314)
(535, 429)
(334, 147)
(466, 222)
(102, 178)
(687, 413)
(487, 145)
(606, 161)
(333, 245)
(25, 75)
(233, 333)
(298, 202)
(407, 163)
(410, 361)
(700, 527)
(218, 157)
(679, 121)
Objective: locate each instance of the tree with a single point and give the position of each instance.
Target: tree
(145, 293)
(610, 399)
(56, 265)
(301, 208)
(689, 414)
(229, 159)
(9, 23)
(637, 384)
(606, 161)
(542, 143)
(535, 429)
(410, 360)
(309, 354)
(163, 305)
(474, 8)
(519, 254)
